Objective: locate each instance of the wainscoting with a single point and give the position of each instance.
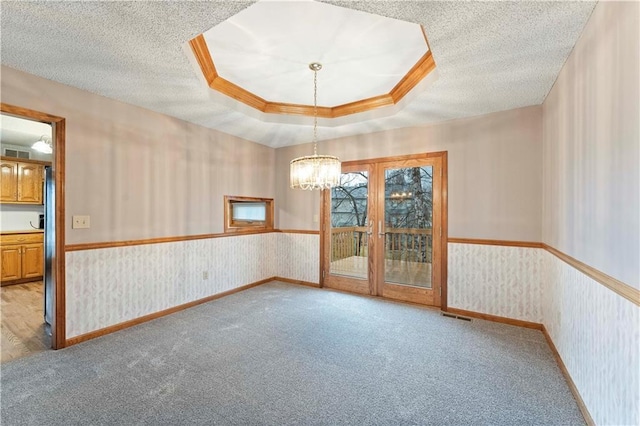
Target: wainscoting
(112, 285)
(297, 257)
(496, 280)
(109, 286)
(594, 329)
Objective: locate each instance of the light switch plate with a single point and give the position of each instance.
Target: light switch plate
(81, 222)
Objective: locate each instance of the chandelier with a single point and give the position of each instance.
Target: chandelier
(315, 171)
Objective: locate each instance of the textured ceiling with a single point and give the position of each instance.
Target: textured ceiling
(491, 56)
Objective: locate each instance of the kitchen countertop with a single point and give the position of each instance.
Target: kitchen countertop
(27, 231)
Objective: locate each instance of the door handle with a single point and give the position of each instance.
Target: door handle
(380, 232)
(370, 231)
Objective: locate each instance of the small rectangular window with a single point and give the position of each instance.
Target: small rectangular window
(247, 213)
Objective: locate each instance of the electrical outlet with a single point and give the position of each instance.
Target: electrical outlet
(81, 222)
(205, 275)
(316, 219)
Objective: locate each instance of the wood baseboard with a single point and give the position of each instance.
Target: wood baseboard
(150, 317)
(510, 321)
(155, 315)
(20, 281)
(572, 386)
(520, 323)
(495, 318)
(291, 281)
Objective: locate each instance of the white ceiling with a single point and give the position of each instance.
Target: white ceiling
(362, 55)
(490, 56)
(18, 131)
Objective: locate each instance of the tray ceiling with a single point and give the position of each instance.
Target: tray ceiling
(368, 63)
(363, 55)
(490, 56)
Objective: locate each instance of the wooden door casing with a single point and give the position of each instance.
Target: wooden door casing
(58, 293)
(425, 296)
(376, 285)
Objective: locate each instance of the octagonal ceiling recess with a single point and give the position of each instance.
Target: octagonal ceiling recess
(260, 58)
(492, 56)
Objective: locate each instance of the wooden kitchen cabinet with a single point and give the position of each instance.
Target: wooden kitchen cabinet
(11, 263)
(30, 183)
(21, 182)
(22, 257)
(9, 183)
(32, 260)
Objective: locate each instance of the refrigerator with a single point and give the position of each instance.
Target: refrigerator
(49, 247)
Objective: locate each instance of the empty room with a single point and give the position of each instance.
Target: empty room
(320, 212)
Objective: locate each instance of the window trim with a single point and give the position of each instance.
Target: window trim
(238, 227)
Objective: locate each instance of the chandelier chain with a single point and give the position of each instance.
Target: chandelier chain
(314, 171)
(315, 112)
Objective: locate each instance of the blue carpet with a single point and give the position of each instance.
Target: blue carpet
(282, 354)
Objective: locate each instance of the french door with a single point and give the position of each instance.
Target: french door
(384, 229)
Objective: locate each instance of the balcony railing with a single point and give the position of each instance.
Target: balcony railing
(409, 244)
(348, 241)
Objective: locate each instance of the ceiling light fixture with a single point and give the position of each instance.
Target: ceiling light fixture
(315, 171)
(43, 145)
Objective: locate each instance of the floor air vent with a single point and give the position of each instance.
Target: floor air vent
(445, 314)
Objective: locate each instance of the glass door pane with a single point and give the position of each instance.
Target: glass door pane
(378, 229)
(408, 223)
(349, 242)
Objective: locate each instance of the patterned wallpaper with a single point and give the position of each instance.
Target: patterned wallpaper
(298, 257)
(108, 286)
(112, 285)
(596, 332)
(496, 280)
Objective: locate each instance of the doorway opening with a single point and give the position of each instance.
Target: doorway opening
(32, 231)
(384, 229)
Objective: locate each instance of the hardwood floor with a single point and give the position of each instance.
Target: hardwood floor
(22, 329)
